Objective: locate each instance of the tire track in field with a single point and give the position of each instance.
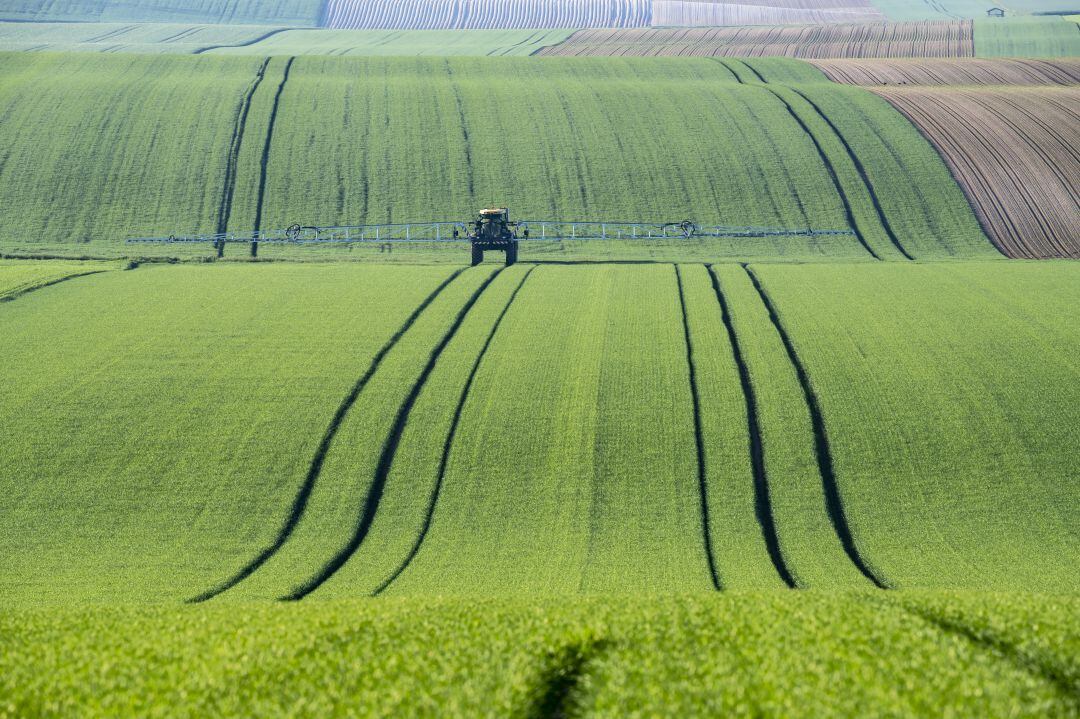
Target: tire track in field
(762, 501)
(386, 457)
(448, 444)
(299, 504)
(264, 160)
(833, 502)
(862, 174)
(11, 297)
(562, 677)
(833, 176)
(469, 179)
(233, 157)
(246, 43)
(699, 441)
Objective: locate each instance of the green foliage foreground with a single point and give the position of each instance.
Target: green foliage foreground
(767, 654)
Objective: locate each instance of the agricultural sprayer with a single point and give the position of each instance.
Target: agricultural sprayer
(491, 230)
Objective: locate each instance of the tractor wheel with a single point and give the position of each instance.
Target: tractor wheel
(477, 255)
(511, 254)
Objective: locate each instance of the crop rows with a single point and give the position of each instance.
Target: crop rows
(693, 13)
(318, 140)
(402, 42)
(952, 72)
(926, 39)
(277, 12)
(456, 14)
(1014, 152)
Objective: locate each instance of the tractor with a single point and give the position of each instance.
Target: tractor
(493, 230)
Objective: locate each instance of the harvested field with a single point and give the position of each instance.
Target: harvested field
(913, 39)
(761, 12)
(1014, 152)
(458, 14)
(952, 72)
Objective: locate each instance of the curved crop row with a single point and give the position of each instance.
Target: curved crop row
(448, 14)
(772, 12)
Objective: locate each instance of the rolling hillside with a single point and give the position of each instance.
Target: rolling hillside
(319, 140)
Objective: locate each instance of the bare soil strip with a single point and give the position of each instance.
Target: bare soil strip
(1015, 152)
(968, 71)
(931, 39)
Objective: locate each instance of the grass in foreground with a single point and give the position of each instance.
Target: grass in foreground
(788, 654)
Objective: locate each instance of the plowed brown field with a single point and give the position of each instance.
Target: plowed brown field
(968, 71)
(1014, 151)
(951, 38)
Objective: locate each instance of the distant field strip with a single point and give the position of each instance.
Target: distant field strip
(151, 38)
(1015, 153)
(952, 72)
(274, 12)
(460, 14)
(912, 39)
(402, 42)
(760, 12)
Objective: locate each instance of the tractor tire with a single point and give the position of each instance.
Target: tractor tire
(511, 254)
(477, 255)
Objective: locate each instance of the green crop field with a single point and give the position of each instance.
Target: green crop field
(146, 38)
(273, 12)
(402, 42)
(1026, 37)
(780, 475)
(311, 140)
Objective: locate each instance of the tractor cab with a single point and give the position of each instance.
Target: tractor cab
(492, 230)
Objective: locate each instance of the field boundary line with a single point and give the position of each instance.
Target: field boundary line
(42, 285)
(315, 469)
(699, 441)
(762, 501)
(448, 443)
(386, 456)
(833, 502)
(1006, 650)
(861, 169)
(246, 43)
(232, 160)
(264, 160)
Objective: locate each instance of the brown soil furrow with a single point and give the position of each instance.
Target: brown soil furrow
(967, 71)
(1014, 153)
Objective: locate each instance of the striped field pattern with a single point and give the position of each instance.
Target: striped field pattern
(759, 12)
(459, 14)
(909, 39)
